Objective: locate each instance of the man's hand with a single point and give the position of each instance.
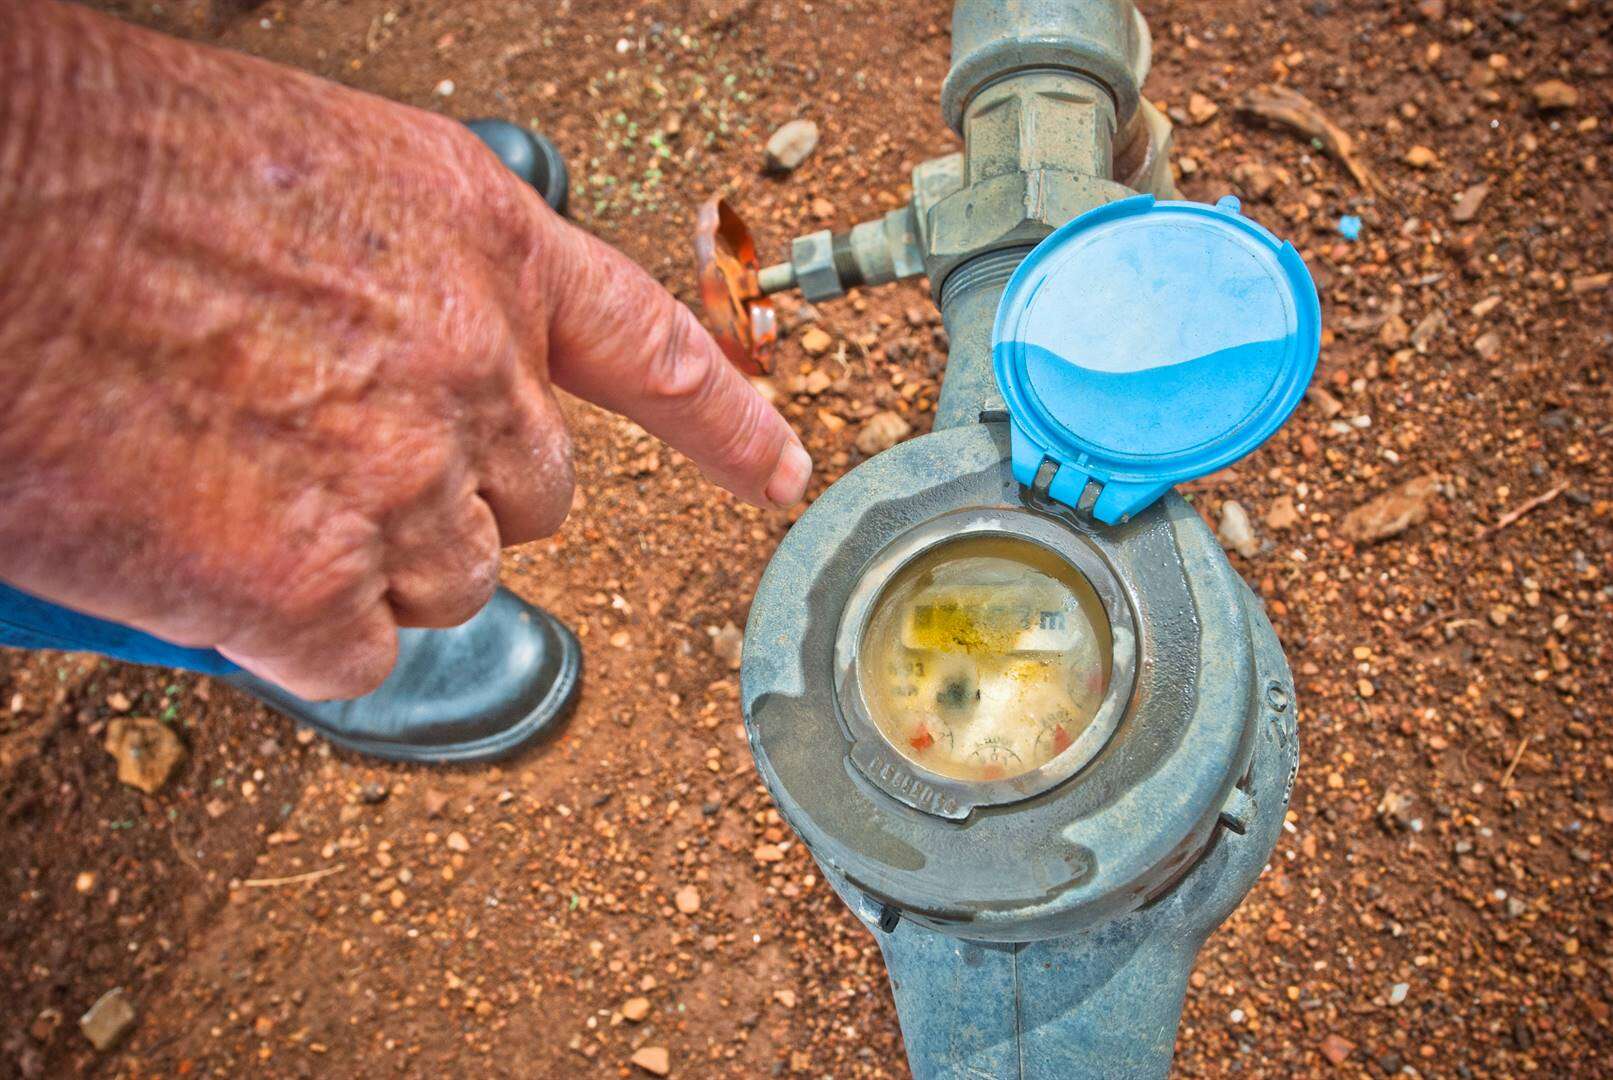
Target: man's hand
(276, 356)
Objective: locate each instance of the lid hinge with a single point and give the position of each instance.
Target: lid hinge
(1042, 489)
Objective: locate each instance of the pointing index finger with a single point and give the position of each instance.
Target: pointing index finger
(620, 340)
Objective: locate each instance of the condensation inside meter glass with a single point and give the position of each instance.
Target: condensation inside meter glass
(985, 658)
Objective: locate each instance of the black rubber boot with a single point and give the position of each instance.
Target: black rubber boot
(473, 693)
(528, 155)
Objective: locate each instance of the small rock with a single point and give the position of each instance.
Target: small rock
(1394, 810)
(1337, 1049)
(1424, 331)
(729, 645)
(831, 421)
(108, 1020)
(822, 209)
(768, 853)
(435, 802)
(687, 899)
(635, 1009)
(1394, 332)
(882, 431)
(1201, 109)
(1487, 345)
(1255, 178)
(457, 842)
(45, 1024)
(1391, 513)
(791, 145)
(815, 342)
(816, 383)
(1325, 401)
(1235, 532)
(653, 1059)
(216, 808)
(147, 752)
(118, 701)
(373, 793)
(1398, 992)
(785, 998)
(764, 386)
(1432, 10)
(1282, 514)
(1421, 157)
(1467, 206)
(1554, 94)
(85, 883)
(444, 88)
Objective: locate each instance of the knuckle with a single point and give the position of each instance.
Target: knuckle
(328, 577)
(473, 586)
(748, 441)
(365, 666)
(673, 371)
(448, 583)
(553, 505)
(558, 483)
(404, 469)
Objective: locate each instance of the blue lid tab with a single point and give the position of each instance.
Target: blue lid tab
(1146, 343)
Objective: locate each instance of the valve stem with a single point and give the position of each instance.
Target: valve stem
(776, 279)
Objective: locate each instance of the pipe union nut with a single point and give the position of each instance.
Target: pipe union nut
(813, 258)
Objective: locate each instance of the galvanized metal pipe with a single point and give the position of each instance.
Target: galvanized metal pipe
(1040, 91)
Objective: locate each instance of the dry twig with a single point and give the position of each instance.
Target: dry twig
(294, 879)
(1506, 777)
(1513, 515)
(1287, 108)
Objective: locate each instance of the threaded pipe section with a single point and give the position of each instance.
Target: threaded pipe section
(989, 271)
(969, 299)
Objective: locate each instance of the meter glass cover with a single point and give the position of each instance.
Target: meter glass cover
(985, 658)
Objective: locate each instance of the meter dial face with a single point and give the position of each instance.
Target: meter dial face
(985, 657)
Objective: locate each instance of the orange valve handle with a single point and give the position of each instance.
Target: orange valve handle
(739, 315)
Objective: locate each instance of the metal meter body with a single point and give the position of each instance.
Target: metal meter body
(1093, 878)
(1196, 687)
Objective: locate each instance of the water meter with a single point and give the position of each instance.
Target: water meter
(1001, 679)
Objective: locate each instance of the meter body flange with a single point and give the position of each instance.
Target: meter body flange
(1100, 843)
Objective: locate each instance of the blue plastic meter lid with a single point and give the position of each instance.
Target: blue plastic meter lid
(1147, 343)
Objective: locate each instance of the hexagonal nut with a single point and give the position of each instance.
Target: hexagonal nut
(1012, 210)
(1143, 159)
(814, 261)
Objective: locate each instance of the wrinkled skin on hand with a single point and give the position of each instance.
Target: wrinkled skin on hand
(276, 356)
